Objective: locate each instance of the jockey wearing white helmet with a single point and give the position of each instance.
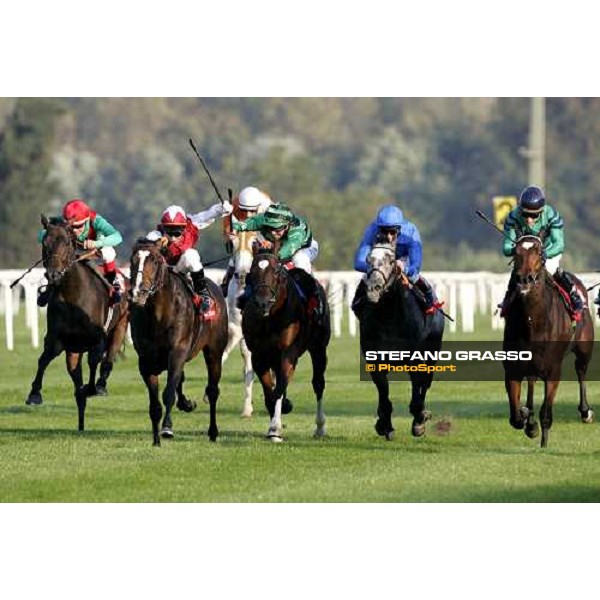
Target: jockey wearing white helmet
(249, 202)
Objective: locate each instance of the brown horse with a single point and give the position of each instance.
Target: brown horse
(278, 332)
(167, 332)
(538, 321)
(79, 318)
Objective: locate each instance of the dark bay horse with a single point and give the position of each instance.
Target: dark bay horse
(167, 332)
(79, 317)
(537, 320)
(393, 318)
(278, 332)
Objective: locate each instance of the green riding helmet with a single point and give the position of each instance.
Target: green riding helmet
(278, 216)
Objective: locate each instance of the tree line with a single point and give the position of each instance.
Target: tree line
(333, 160)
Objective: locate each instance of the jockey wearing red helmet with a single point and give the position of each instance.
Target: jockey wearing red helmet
(92, 231)
(178, 233)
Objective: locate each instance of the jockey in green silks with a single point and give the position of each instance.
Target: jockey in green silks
(533, 216)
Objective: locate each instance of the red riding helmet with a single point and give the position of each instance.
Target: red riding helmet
(76, 211)
(173, 216)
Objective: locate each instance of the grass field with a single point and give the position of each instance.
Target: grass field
(479, 459)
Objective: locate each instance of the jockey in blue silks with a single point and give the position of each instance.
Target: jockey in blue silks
(390, 226)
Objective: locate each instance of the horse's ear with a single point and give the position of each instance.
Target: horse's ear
(44, 220)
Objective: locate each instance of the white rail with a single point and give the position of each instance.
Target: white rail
(466, 295)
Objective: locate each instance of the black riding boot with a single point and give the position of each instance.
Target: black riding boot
(508, 297)
(360, 300)
(565, 280)
(111, 277)
(204, 302)
(225, 283)
(431, 305)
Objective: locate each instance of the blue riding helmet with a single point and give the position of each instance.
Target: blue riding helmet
(389, 216)
(532, 199)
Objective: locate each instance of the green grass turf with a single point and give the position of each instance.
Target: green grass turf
(479, 459)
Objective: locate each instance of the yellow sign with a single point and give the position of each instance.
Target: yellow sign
(502, 206)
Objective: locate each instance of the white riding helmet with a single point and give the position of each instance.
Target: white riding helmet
(252, 198)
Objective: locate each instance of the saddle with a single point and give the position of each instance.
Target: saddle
(309, 291)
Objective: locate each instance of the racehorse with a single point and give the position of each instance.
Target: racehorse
(538, 320)
(278, 332)
(393, 318)
(80, 317)
(168, 332)
(242, 257)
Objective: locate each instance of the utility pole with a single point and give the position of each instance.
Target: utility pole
(536, 151)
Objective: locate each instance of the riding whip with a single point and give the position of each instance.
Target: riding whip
(482, 216)
(35, 264)
(207, 171)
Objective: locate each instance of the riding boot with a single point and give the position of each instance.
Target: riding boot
(202, 299)
(359, 301)
(44, 292)
(508, 297)
(431, 304)
(565, 280)
(314, 303)
(111, 277)
(225, 283)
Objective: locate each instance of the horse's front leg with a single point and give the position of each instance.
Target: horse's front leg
(263, 371)
(52, 348)
(94, 358)
(74, 370)
(532, 429)
(383, 426)
(283, 376)
(115, 343)
(213, 360)
(550, 389)
(416, 407)
(319, 364)
(248, 409)
(513, 389)
(154, 407)
(175, 370)
(582, 358)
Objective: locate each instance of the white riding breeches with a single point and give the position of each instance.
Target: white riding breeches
(189, 262)
(553, 263)
(108, 254)
(305, 256)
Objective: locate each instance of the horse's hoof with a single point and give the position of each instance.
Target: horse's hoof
(185, 405)
(101, 390)
(320, 432)
(517, 424)
(418, 429)
(247, 414)
(390, 436)
(89, 390)
(383, 430)
(286, 406)
(589, 418)
(213, 435)
(34, 400)
(276, 439)
(167, 433)
(532, 431)
(156, 443)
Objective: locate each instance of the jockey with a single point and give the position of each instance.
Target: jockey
(534, 217)
(91, 230)
(391, 226)
(250, 202)
(279, 223)
(178, 233)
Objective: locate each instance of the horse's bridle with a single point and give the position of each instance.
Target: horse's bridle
(531, 278)
(71, 259)
(279, 270)
(388, 280)
(158, 281)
